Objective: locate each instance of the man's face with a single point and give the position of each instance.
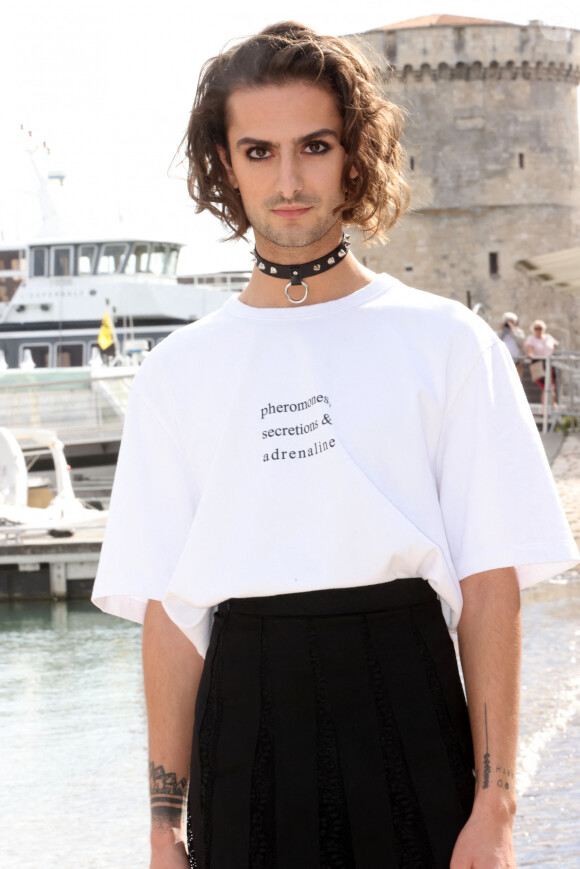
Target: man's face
(287, 161)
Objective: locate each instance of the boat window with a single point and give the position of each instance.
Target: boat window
(157, 261)
(138, 259)
(171, 264)
(40, 354)
(111, 258)
(87, 254)
(11, 260)
(69, 354)
(62, 262)
(39, 262)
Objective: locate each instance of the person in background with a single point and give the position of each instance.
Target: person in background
(311, 497)
(513, 337)
(539, 346)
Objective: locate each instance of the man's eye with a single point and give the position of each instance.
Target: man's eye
(257, 153)
(316, 148)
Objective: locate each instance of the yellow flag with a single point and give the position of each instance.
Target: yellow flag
(106, 335)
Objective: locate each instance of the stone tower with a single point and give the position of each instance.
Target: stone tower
(492, 160)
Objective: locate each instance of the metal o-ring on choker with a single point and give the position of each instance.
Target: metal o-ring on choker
(289, 297)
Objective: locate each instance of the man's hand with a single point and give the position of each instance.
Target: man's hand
(168, 849)
(169, 855)
(484, 843)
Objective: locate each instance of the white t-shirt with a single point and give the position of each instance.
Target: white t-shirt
(378, 436)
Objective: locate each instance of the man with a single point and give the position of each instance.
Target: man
(309, 480)
(513, 338)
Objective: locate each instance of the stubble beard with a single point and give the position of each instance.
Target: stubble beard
(295, 236)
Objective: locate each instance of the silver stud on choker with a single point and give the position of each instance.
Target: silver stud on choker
(295, 274)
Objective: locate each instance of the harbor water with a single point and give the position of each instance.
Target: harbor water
(73, 749)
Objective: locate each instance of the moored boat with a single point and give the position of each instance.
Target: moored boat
(31, 507)
(55, 312)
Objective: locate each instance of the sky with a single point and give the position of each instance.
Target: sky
(108, 87)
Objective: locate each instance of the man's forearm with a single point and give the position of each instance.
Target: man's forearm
(172, 669)
(490, 650)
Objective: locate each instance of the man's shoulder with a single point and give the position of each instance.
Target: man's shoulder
(184, 352)
(405, 297)
(434, 317)
(195, 335)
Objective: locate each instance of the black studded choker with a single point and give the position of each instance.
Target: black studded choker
(295, 274)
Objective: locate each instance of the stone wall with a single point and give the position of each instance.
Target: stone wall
(492, 160)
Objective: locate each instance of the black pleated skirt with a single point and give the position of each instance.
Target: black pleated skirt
(331, 731)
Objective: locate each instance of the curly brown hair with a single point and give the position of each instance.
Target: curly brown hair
(372, 126)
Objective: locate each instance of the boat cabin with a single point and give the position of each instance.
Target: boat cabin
(104, 258)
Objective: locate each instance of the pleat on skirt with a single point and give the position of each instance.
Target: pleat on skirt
(331, 731)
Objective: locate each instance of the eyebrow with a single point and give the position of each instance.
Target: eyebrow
(323, 133)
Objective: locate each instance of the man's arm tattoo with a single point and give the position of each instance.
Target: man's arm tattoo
(486, 758)
(167, 796)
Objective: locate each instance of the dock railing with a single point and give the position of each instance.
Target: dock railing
(558, 405)
(563, 401)
(82, 405)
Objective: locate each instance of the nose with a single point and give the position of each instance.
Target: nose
(289, 181)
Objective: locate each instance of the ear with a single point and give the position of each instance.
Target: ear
(226, 164)
(353, 173)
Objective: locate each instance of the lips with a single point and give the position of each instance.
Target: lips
(291, 212)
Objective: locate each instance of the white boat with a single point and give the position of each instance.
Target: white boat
(58, 281)
(54, 303)
(32, 506)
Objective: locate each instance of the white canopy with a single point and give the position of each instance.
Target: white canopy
(558, 269)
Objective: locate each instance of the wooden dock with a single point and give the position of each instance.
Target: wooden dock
(48, 568)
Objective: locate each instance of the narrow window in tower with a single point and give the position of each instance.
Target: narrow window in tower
(408, 268)
(521, 160)
(412, 164)
(493, 263)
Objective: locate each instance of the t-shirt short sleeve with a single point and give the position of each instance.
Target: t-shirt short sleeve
(152, 507)
(498, 499)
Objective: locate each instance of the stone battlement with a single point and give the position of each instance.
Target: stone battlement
(484, 50)
(476, 71)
